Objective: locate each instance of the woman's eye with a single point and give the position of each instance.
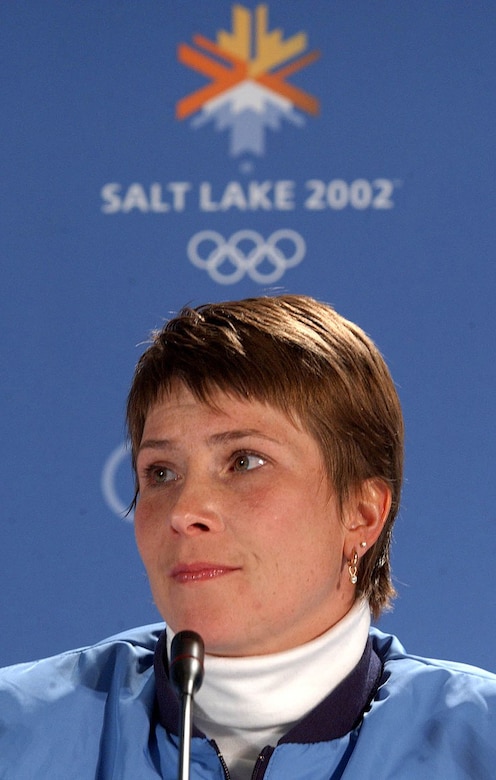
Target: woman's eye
(247, 462)
(159, 475)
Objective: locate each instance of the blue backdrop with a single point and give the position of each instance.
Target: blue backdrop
(158, 153)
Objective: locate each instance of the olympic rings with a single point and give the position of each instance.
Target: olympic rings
(227, 262)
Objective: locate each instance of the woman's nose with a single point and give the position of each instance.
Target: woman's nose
(197, 509)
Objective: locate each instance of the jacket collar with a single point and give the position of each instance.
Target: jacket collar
(334, 717)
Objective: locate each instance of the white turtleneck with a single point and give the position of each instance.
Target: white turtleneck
(247, 703)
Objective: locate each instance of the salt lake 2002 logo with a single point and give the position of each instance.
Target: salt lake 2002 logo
(249, 90)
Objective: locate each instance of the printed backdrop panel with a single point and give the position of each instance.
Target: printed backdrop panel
(162, 153)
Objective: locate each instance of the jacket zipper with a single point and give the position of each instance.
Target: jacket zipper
(261, 763)
(221, 759)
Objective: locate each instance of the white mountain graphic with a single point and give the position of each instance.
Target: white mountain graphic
(246, 110)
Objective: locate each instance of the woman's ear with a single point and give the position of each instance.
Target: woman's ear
(365, 515)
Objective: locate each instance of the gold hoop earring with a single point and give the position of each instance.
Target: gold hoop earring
(353, 568)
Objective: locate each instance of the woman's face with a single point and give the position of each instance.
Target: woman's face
(237, 526)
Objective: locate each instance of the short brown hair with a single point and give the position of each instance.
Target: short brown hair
(302, 357)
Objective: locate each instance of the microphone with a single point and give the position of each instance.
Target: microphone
(186, 674)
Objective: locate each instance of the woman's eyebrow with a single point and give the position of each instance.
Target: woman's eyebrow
(156, 444)
(216, 438)
(236, 435)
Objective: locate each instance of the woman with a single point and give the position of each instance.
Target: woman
(267, 444)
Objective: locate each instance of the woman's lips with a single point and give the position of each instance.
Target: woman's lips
(196, 572)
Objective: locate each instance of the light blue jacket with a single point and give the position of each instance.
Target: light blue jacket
(93, 713)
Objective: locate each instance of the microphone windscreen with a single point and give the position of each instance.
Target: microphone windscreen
(186, 663)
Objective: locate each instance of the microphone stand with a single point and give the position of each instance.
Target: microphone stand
(186, 674)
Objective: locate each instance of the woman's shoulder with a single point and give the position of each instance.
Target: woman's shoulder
(124, 656)
(393, 655)
(54, 711)
(457, 692)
